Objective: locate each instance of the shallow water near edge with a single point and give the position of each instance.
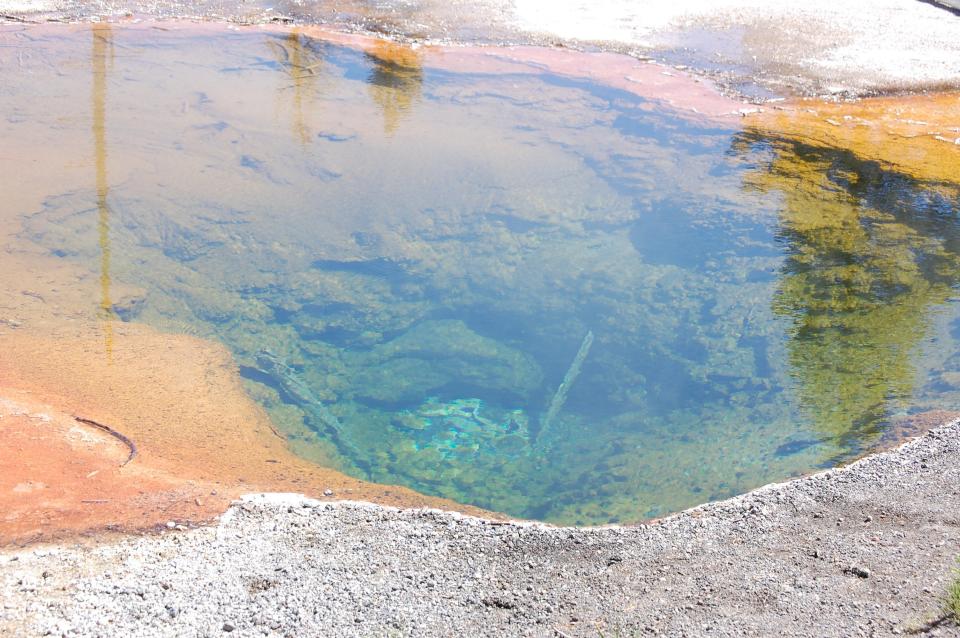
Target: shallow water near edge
(531, 293)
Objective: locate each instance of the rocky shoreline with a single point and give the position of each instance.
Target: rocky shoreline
(865, 549)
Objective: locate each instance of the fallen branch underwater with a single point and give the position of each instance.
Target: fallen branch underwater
(303, 396)
(560, 396)
(16, 18)
(117, 435)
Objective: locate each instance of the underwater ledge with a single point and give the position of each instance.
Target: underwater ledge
(865, 545)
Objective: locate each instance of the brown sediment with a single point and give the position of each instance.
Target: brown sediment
(59, 477)
(201, 440)
(918, 134)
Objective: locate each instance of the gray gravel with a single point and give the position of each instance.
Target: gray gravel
(862, 550)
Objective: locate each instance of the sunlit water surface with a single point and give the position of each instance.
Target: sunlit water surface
(522, 291)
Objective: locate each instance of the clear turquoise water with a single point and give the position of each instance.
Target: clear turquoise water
(530, 293)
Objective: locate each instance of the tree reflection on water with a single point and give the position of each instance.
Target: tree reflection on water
(869, 253)
(395, 80)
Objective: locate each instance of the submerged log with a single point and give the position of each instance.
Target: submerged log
(117, 435)
(560, 396)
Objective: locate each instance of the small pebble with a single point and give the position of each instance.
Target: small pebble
(328, 492)
(228, 627)
(171, 524)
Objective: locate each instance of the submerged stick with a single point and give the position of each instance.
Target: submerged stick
(560, 396)
(13, 18)
(275, 368)
(117, 435)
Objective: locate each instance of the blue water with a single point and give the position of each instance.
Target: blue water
(530, 293)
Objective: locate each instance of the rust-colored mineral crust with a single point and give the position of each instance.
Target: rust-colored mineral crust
(200, 440)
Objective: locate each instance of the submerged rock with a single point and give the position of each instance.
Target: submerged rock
(433, 354)
(466, 424)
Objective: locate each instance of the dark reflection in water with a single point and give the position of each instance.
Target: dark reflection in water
(395, 80)
(551, 299)
(870, 252)
(101, 56)
(302, 60)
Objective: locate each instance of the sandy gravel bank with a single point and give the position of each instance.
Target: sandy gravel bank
(751, 47)
(815, 47)
(863, 550)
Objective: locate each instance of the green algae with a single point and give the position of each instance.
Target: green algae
(422, 252)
